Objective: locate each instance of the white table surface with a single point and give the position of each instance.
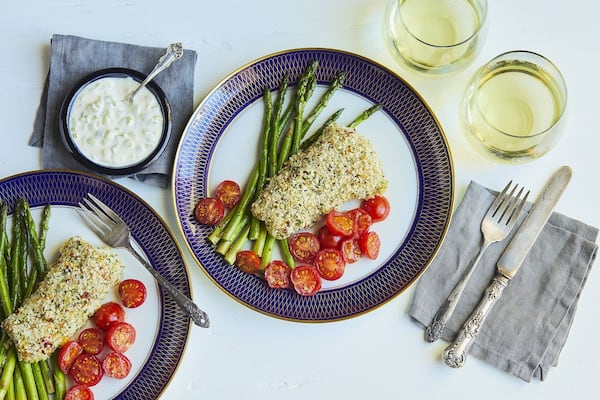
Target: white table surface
(381, 354)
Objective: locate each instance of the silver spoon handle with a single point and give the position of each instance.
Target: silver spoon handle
(174, 52)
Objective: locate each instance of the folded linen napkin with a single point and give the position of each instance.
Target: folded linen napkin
(528, 327)
(72, 58)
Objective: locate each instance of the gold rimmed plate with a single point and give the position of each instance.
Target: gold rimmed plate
(221, 142)
(162, 328)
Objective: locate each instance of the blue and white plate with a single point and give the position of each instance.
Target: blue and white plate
(221, 142)
(162, 328)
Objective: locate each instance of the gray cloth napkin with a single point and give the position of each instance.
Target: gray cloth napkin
(72, 58)
(528, 327)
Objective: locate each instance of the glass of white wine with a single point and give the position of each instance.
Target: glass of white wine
(435, 36)
(514, 107)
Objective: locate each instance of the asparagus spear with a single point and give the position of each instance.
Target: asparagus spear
(267, 253)
(242, 208)
(5, 298)
(217, 232)
(263, 158)
(322, 104)
(237, 245)
(14, 276)
(40, 384)
(225, 245)
(284, 248)
(279, 122)
(60, 380)
(37, 243)
(8, 371)
(364, 115)
(19, 384)
(302, 97)
(311, 139)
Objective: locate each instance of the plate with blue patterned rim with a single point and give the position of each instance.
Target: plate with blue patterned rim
(221, 142)
(162, 328)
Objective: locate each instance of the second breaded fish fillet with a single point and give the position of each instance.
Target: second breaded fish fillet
(72, 290)
(341, 165)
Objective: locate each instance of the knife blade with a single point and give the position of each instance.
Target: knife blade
(517, 249)
(509, 263)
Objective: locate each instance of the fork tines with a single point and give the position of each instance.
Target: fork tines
(512, 208)
(98, 216)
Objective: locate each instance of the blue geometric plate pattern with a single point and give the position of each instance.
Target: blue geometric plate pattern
(402, 105)
(67, 188)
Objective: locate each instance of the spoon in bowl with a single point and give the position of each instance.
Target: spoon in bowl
(174, 52)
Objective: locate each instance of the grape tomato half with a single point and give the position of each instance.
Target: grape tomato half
(304, 246)
(209, 211)
(132, 293)
(86, 370)
(306, 280)
(120, 336)
(229, 193)
(330, 264)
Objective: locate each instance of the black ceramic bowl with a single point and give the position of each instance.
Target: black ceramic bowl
(104, 168)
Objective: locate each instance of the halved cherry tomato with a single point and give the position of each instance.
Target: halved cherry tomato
(79, 392)
(68, 353)
(370, 244)
(86, 370)
(132, 293)
(209, 211)
(350, 249)
(277, 275)
(306, 280)
(304, 246)
(378, 207)
(340, 223)
(116, 365)
(107, 314)
(229, 193)
(120, 336)
(362, 221)
(327, 239)
(248, 261)
(330, 264)
(92, 340)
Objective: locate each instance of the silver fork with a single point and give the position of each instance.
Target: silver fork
(495, 226)
(114, 232)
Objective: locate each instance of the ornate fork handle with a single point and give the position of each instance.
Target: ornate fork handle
(455, 355)
(199, 317)
(434, 331)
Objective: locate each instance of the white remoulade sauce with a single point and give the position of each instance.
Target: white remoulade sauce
(112, 130)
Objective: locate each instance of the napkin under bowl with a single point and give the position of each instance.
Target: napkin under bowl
(72, 58)
(528, 327)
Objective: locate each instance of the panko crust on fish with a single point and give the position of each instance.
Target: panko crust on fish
(72, 290)
(341, 165)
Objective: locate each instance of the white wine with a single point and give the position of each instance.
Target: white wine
(435, 35)
(513, 106)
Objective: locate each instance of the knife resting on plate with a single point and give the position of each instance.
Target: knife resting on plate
(508, 265)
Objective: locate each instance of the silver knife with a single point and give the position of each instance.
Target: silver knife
(455, 355)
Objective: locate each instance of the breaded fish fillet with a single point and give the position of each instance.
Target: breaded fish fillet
(72, 290)
(341, 165)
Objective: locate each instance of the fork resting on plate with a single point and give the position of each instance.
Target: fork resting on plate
(495, 226)
(114, 232)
